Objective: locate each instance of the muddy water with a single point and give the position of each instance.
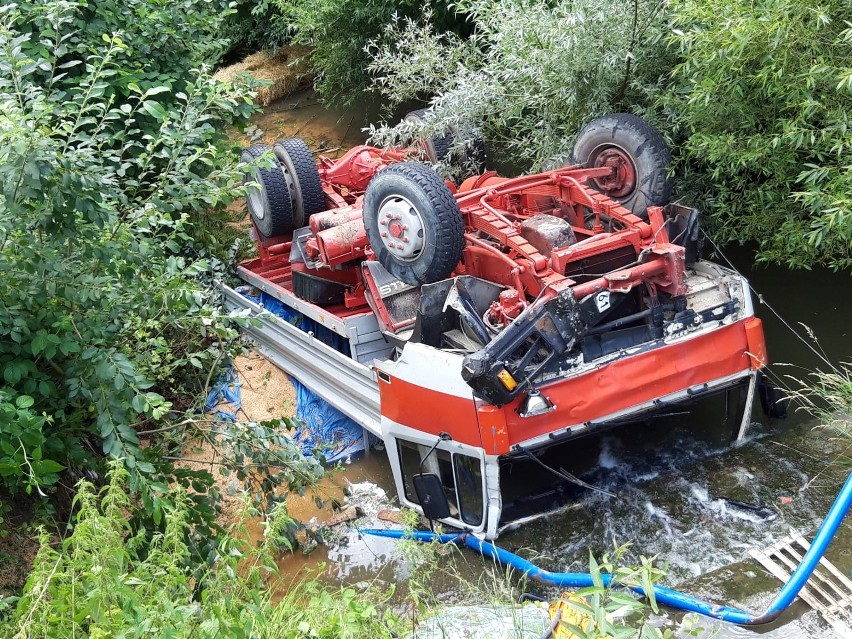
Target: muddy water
(671, 479)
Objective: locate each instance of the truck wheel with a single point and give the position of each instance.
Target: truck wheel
(270, 206)
(438, 148)
(637, 152)
(413, 223)
(303, 179)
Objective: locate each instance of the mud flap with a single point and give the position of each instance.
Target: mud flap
(393, 302)
(772, 400)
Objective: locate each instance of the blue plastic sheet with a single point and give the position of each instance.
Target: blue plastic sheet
(338, 436)
(227, 389)
(274, 306)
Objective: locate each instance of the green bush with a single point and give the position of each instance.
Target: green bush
(762, 100)
(258, 25)
(339, 31)
(111, 152)
(27, 455)
(98, 191)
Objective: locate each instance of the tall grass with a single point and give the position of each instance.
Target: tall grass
(828, 396)
(106, 580)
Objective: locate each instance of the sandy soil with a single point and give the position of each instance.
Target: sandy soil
(327, 131)
(266, 390)
(266, 393)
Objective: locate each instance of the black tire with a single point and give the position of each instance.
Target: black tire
(270, 206)
(300, 171)
(646, 150)
(436, 148)
(473, 155)
(421, 195)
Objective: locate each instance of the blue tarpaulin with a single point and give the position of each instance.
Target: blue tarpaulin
(227, 389)
(339, 436)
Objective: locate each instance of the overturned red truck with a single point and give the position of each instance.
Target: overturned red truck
(494, 319)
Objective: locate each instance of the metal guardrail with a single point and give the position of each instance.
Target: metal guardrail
(344, 383)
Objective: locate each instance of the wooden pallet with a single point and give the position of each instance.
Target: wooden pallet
(828, 591)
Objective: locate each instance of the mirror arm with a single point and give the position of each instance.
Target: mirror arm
(442, 437)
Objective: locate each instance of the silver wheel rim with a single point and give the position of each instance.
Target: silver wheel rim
(255, 198)
(401, 228)
(293, 187)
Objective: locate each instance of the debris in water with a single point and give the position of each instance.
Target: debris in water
(342, 516)
(763, 512)
(369, 497)
(393, 516)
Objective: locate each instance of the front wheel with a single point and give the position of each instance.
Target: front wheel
(638, 155)
(470, 157)
(435, 148)
(413, 223)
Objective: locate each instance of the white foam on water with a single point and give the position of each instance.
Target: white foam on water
(743, 476)
(607, 458)
(646, 476)
(368, 496)
(700, 493)
(662, 515)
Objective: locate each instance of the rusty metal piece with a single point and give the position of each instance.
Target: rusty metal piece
(547, 232)
(322, 221)
(342, 516)
(393, 516)
(622, 179)
(354, 170)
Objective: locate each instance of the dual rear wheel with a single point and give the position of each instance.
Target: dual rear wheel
(288, 193)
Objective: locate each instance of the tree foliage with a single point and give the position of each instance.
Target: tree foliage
(258, 25)
(112, 149)
(529, 77)
(339, 31)
(762, 98)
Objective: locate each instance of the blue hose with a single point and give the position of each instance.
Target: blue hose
(663, 595)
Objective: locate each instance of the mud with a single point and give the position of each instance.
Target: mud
(328, 132)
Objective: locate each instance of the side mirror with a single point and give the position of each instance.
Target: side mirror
(430, 494)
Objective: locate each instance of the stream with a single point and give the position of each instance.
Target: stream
(671, 479)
